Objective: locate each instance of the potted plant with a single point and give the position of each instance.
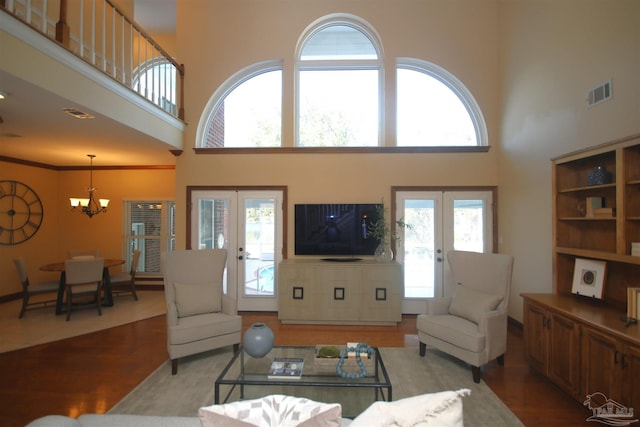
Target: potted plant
(381, 230)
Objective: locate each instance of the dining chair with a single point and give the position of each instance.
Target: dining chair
(34, 289)
(83, 278)
(83, 253)
(127, 278)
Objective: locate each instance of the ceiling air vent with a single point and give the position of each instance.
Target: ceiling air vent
(600, 94)
(77, 113)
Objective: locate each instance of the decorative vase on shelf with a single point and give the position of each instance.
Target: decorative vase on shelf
(258, 340)
(383, 252)
(599, 176)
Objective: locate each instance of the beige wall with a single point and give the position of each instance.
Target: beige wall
(552, 53)
(43, 246)
(528, 63)
(63, 229)
(218, 38)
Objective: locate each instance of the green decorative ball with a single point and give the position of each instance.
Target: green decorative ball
(328, 351)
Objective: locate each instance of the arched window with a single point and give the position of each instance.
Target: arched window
(156, 80)
(338, 97)
(434, 109)
(246, 110)
(338, 79)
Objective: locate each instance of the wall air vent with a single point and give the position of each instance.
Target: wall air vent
(77, 113)
(600, 94)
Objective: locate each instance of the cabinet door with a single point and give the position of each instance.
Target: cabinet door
(564, 353)
(296, 293)
(338, 293)
(380, 293)
(600, 364)
(631, 375)
(535, 336)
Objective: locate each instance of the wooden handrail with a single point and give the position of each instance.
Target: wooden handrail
(62, 28)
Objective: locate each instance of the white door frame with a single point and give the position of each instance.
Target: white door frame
(234, 275)
(444, 197)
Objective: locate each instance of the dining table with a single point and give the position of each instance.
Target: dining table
(59, 267)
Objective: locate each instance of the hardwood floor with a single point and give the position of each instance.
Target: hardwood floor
(92, 372)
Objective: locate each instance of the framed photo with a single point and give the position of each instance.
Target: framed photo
(588, 278)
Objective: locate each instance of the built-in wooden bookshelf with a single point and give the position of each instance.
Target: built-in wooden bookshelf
(582, 343)
(607, 238)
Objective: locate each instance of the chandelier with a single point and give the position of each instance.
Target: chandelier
(89, 206)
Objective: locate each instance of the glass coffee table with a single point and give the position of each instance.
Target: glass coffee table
(246, 377)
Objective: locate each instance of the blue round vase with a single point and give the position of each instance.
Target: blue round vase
(599, 176)
(258, 340)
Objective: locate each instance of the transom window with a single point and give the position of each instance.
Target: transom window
(247, 109)
(338, 85)
(338, 98)
(434, 108)
(337, 41)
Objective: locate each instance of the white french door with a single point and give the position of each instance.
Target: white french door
(440, 221)
(248, 224)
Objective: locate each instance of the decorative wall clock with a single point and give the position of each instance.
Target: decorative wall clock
(21, 212)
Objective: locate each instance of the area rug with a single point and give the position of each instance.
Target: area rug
(182, 394)
(43, 326)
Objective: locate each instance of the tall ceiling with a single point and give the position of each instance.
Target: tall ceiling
(156, 16)
(34, 127)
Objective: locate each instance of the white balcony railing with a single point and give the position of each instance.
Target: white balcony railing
(101, 34)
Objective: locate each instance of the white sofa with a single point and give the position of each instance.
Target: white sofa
(106, 420)
(443, 409)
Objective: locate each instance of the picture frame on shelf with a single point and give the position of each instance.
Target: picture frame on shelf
(589, 278)
(633, 304)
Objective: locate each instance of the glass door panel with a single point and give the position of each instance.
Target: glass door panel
(248, 224)
(468, 225)
(420, 247)
(259, 238)
(440, 221)
(213, 220)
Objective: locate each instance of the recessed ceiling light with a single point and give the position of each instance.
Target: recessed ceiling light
(77, 113)
(3, 95)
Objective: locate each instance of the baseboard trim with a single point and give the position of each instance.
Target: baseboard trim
(515, 325)
(10, 297)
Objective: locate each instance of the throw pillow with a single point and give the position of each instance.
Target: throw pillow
(433, 409)
(197, 298)
(272, 411)
(471, 304)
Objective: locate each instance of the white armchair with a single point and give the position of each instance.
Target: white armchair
(471, 325)
(199, 316)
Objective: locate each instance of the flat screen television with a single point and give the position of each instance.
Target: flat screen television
(335, 230)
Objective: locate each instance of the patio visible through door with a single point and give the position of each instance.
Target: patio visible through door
(248, 223)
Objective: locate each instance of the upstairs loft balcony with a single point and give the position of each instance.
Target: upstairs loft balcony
(94, 60)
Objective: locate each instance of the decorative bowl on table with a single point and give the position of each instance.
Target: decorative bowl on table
(325, 363)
